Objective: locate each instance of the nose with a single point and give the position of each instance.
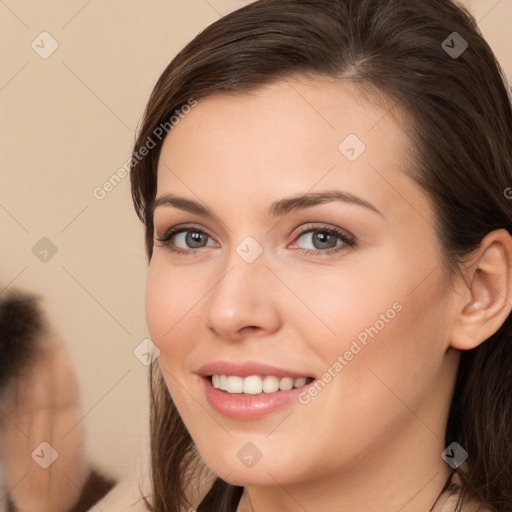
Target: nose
(243, 301)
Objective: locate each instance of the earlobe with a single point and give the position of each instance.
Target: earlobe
(489, 283)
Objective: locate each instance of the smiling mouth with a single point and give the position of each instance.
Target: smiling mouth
(256, 384)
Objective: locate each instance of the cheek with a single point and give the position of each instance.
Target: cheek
(165, 310)
(155, 305)
(173, 310)
(345, 303)
(402, 356)
(382, 319)
(166, 320)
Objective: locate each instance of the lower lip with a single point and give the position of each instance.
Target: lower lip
(251, 406)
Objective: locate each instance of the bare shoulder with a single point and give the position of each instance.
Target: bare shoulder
(127, 495)
(450, 503)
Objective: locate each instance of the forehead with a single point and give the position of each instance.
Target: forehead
(289, 136)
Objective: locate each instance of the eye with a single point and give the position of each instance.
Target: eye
(190, 237)
(325, 239)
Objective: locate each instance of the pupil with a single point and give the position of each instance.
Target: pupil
(193, 237)
(324, 237)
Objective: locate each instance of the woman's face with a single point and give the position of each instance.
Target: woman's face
(267, 280)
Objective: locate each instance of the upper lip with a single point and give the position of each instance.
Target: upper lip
(247, 368)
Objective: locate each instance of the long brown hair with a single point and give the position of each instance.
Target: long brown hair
(462, 135)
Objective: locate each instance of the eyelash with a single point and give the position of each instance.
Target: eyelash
(348, 241)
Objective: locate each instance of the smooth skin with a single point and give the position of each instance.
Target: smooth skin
(372, 438)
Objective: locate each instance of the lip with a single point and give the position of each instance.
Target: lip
(247, 407)
(248, 368)
(250, 407)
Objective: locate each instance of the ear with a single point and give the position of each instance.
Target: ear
(486, 301)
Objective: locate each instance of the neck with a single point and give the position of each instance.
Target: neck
(397, 477)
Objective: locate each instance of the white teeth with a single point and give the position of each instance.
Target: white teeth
(256, 384)
(252, 385)
(235, 384)
(286, 383)
(300, 382)
(270, 384)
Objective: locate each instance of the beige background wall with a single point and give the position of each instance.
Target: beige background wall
(67, 124)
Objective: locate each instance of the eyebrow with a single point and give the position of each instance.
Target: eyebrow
(277, 209)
